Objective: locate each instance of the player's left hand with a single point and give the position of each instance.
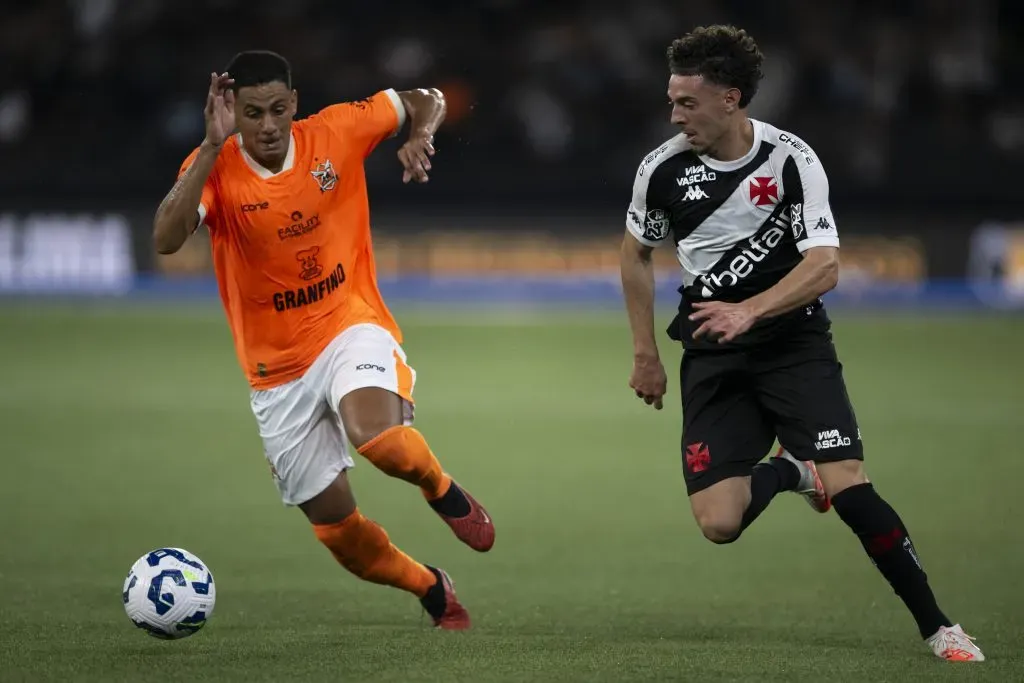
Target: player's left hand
(415, 157)
(722, 322)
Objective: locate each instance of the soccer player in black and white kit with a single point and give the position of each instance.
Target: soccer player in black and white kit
(746, 207)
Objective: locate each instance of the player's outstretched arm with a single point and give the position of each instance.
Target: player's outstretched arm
(637, 270)
(426, 108)
(177, 216)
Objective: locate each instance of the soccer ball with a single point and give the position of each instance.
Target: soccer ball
(169, 593)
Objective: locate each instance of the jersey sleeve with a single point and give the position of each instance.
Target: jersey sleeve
(207, 203)
(367, 122)
(806, 186)
(648, 216)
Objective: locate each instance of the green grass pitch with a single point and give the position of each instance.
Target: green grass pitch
(123, 429)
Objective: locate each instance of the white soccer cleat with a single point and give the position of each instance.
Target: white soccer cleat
(953, 645)
(810, 486)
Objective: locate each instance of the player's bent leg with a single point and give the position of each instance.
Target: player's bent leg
(725, 436)
(809, 484)
(718, 509)
(362, 547)
(374, 422)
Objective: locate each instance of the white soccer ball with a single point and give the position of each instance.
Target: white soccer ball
(169, 593)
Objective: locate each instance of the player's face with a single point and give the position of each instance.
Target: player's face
(702, 109)
(263, 114)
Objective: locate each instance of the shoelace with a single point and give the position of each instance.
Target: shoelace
(954, 640)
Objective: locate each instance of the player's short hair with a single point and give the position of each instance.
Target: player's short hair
(725, 55)
(259, 67)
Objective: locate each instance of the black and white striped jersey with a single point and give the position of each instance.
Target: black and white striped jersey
(739, 226)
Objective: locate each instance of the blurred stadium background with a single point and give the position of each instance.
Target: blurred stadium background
(914, 106)
(123, 417)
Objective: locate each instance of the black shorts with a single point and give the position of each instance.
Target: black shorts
(737, 402)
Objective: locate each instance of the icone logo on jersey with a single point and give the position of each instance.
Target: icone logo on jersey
(370, 366)
(695, 174)
(742, 265)
(764, 191)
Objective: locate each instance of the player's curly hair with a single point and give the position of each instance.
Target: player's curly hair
(725, 55)
(259, 67)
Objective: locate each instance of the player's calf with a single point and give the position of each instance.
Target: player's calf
(887, 542)
(359, 544)
(401, 451)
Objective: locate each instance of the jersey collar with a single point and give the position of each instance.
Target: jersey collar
(742, 161)
(263, 172)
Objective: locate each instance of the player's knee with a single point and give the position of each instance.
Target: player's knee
(718, 528)
(369, 412)
(333, 505)
(363, 430)
(838, 476)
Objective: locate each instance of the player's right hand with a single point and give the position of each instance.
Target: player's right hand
(648, 380)
(220, 109)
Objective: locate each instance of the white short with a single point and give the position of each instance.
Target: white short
(303, 436)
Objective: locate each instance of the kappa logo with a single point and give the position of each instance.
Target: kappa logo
(698, 457)
(693, 193)
(325, 176)
(823, 225)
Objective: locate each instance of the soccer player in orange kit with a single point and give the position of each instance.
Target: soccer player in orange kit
(286, 206)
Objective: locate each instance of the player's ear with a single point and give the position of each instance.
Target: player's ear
(294, 101)
(732, 100)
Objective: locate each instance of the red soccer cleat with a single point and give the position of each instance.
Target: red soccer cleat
(474, 529)
(443, 606)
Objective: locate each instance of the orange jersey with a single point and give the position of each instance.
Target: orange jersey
(292, 250)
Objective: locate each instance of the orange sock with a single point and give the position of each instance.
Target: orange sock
(403, 453)
(363, 548)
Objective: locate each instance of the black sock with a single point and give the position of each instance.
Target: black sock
(888, 544)
(434, 601)
(768, 479)
(451, 504)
